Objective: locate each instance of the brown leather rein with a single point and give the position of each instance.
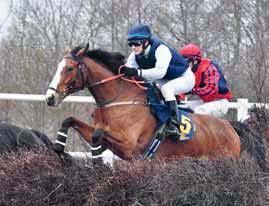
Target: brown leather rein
(82, 76)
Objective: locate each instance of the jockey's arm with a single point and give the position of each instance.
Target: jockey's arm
(163, 57)
(131, 62)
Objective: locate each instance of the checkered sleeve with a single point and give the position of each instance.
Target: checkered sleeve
(210, 80)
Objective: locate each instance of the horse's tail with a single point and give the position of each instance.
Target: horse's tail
(252, 142)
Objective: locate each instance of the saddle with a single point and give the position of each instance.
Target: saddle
(184, 111)
(162, 114)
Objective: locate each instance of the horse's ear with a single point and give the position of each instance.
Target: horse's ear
(87, 46)
(67, 50)
(83, 51)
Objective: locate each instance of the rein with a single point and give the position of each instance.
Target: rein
(105, 80)
(82, 75)
(137, 83)
(111, 103)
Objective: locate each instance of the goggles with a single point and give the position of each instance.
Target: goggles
(135, 43)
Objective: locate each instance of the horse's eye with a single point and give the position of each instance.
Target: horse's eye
(69, 69)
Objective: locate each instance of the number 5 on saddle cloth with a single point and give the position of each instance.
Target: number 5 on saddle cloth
(162, 114)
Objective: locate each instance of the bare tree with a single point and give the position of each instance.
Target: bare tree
(235, 33)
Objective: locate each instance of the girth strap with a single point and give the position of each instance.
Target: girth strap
(157, 139)
(133, 102)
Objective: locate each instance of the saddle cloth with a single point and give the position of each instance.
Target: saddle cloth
(162, 114)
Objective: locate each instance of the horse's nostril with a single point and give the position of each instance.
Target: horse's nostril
(50, 101)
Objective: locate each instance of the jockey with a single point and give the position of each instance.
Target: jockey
(210, 84)
(154, 60)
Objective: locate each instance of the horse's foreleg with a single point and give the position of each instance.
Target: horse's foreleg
(96, 146)
(84, 129)
(93, 136)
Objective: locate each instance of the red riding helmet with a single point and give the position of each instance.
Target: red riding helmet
(191, 51)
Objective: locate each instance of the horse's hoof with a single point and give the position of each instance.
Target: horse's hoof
(58, 148)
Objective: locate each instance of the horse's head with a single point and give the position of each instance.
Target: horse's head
(69, 77)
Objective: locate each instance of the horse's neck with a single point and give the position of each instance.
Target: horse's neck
(116, 89)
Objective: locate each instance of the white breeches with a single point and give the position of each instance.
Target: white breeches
(217, 108)
(180, 85)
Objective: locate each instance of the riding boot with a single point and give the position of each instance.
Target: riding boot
(174, 123)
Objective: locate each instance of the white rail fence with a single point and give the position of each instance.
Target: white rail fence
(241, 105)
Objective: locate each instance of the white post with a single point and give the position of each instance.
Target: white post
(242, 110)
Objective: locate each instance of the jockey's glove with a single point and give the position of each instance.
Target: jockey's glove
(193, 91)
(129, 72)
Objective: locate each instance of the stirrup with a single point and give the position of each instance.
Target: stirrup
(173, 133)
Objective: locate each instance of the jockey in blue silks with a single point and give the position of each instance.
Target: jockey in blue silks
(154, 60)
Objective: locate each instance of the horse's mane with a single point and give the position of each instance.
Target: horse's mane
(111, 60)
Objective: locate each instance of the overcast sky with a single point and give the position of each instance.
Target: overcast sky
(5, 7)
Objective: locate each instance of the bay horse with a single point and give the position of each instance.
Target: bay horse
(122, 120)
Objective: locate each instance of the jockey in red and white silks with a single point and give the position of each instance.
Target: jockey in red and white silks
(210, 84)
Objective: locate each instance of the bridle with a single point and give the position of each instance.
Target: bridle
(81, 77)
(80, 81)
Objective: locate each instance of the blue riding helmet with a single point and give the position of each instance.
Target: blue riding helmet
(139, 32)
